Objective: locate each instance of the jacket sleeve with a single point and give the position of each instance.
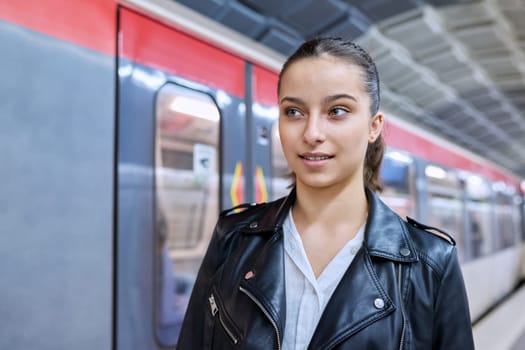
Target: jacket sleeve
(192, 335)
(452, 328)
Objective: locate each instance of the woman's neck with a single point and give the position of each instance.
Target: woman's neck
(327, 219)
(331, 207)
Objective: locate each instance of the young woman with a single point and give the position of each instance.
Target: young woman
(330, 266)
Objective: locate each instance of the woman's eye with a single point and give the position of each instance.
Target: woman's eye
(292, 112)
(338, 111)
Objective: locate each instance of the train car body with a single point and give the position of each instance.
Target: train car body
(129, 125)
(57, 106)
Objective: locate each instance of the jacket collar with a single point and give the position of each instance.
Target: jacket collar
(271, 220)
(386, 235)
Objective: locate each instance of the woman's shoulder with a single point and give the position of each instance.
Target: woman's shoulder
(435, 247)
(430, 230)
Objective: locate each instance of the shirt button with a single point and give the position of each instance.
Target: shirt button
(254, 224)
(404, 251)
(379, 303)
(354, 250)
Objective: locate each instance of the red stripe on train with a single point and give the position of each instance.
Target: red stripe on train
(420, 147)
(264, 86)
(88, 23)
(156, 45)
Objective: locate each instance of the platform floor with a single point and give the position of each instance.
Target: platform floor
(520, 343)
(504, 328)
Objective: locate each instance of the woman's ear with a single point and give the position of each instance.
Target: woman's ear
(375, 128)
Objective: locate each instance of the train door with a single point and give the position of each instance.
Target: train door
(181, 158)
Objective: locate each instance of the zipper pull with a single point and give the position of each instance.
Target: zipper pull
(213, 305)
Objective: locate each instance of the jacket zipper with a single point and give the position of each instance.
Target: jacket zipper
(214, 311)
(274, 324)
(402, 308)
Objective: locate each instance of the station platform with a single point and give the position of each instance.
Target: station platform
(503, 328)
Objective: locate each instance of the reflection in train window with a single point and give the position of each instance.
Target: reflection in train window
(281, 179)
(520, 211)
(479, 216)
(397, 174)
(445, 208)
(520, 204)
(508, 219)
(186, 177)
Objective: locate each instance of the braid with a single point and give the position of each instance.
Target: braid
(373, 159)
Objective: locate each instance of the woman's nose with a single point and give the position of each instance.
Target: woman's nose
(314, 130)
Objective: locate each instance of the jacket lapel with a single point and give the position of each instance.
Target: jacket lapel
(360, 298)
(264, 280)
(264, 284)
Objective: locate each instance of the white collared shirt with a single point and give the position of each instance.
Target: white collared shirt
(306, 296)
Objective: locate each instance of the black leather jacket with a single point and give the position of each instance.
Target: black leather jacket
(404, 289)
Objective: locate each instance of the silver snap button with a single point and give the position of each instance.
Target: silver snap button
(379, 303)
(254, 224)
(405, 251)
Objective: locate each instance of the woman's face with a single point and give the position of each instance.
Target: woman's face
(324, 121)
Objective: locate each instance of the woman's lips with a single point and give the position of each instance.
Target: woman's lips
(315, 159)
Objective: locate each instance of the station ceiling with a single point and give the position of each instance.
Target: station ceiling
(455, 68)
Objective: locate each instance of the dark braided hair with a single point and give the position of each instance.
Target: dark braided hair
(354, 54)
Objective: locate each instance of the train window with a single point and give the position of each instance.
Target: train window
(187, 198)
(521, 213)
(479, 218)
(445, 205)
(506, 232)
(397, 174)
(521, 210)
(281, 172)
(508, 221)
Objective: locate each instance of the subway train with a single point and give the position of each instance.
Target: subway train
(129, 125)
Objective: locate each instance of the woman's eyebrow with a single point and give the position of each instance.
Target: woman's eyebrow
(294, 100)
(332, 98)
(327, 99)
